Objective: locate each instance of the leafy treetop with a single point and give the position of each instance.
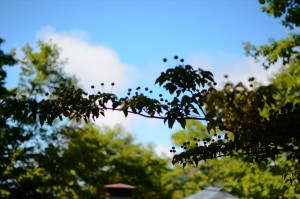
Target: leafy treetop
(289, 10)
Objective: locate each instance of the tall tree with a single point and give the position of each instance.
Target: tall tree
(21, 137)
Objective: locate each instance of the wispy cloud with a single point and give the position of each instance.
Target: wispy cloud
(93, 65)
(237, 69)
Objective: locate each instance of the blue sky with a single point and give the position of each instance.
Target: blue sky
(125, 41)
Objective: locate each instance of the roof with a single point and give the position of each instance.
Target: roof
(211, 193)
(119, 186)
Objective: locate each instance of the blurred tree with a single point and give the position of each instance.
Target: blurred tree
(88, 157)
(22, 137)
(7, 142)
(285, 50)
(288, 84)
(288, 10)
(193, 129)
(240, 178)
(182, 182)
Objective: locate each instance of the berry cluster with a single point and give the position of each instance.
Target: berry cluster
(202, 142)
(137, 91)
(175, 57)
(102, 85)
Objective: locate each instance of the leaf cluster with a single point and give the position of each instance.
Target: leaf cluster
(289, 10)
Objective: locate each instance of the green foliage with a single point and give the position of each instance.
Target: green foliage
(288, 84)
(246, 180)
(190, 132)
(285, 51)
(5, 60)
(241, 179)
(88, 157)
(234, 175)
(21, 136)
(289, 10)
(186, 82)
(183, 182)
(256, 138)
(42, 71)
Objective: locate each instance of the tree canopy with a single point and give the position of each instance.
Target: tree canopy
(288, 10)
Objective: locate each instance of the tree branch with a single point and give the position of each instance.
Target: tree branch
(156, 117)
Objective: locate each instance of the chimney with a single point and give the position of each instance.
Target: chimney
(119, 191)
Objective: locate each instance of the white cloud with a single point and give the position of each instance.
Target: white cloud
(238, 69)
(163, 151)
(92, 65)
(115, 117)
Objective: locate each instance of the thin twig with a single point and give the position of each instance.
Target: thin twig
(156, 117)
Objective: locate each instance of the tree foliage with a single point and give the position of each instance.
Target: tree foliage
(284, 50)
(288, 10)
(22, 137)
(234, 175)
(89, 157)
